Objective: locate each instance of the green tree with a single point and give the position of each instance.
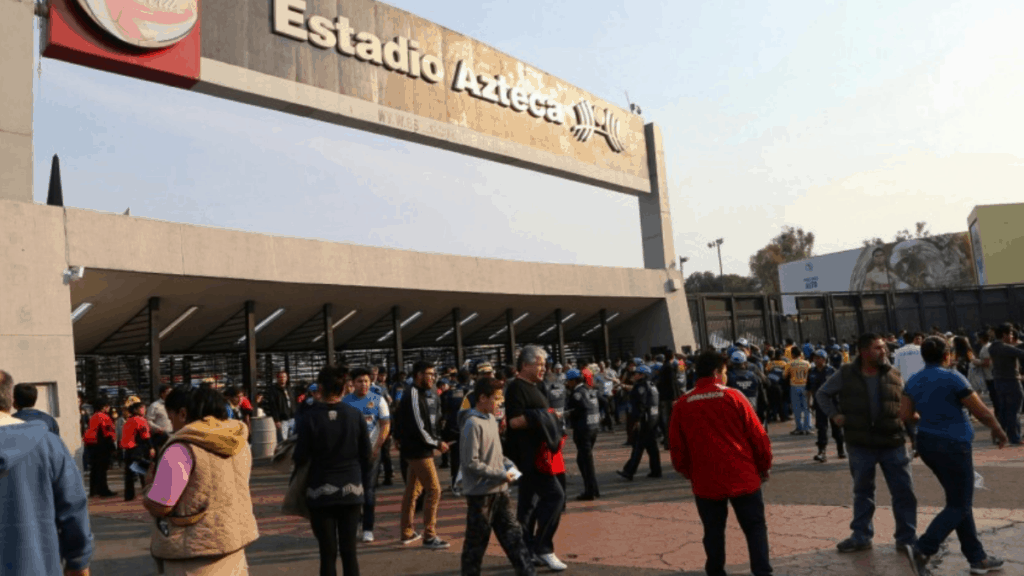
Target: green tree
(708, 282)
(920, 231)
(790, 245)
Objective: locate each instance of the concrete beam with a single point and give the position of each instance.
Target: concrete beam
(655, 217)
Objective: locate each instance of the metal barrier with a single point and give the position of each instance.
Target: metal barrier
(719, 319)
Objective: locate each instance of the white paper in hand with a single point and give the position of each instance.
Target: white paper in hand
(979, 481)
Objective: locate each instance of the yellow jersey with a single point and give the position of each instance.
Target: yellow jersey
(797, 371)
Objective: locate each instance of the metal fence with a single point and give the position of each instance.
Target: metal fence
(719, 319)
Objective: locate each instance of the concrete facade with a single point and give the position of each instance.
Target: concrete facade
(1002, 243)
(17, 18)
(36, 339)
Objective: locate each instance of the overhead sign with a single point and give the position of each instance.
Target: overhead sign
(156, 40)
(366, 65)
(916, 264)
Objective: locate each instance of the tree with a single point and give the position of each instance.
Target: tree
(791, 245)
(920, 231)
(707, 282)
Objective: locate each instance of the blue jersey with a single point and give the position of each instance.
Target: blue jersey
(374, 410)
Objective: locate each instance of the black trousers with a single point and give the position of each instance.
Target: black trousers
(822, 423)
(487, 513)
(646, 439)
(336, 529)
(131, 477)
(776, 409)
(585, 461)
(100, 455)
(385, 451)
(541, 502)
(750, 514)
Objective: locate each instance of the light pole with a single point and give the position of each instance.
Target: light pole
(682, 260)
(718, 244)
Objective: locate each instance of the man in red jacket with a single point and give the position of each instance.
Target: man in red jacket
(719, 445)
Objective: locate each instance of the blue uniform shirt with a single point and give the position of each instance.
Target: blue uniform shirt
(373, 409)
(937, 394)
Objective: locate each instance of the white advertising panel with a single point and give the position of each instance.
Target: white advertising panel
(917, 264)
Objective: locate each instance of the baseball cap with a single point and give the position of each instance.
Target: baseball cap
(743, 342)
(643, 369)
(559, 366)
(835, 347)
(484, 367)
(738, 357)
(573, 374)
(846, 346)
(313, 387)
(821, 353)
(638, 361)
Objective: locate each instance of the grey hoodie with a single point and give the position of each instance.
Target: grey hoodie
(483, 464)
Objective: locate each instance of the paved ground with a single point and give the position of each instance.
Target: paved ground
(646, 527)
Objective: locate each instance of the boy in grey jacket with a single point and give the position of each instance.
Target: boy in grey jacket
(485, 483)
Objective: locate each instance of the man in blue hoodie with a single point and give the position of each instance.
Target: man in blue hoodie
(45, 517)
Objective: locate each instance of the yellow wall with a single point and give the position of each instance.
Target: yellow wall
(1001, 228)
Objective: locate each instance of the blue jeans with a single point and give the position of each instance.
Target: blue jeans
(1010, 398)
(895, 463)
(370, 494)
(953, 465)
(801, 413)
(750, 514)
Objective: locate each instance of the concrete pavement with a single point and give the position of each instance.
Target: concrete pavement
(644, 527)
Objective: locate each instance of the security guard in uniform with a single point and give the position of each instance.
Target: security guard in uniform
(643, 403)
(742, 378)
(557, 394)
(583, 413)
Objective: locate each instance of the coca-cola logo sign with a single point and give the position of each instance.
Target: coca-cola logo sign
(144, 23)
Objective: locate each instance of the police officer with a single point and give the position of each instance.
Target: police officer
(742, 378)
(557, 394)
(816, 378)
(583, 413)
(451, 403)
(776, 370)
(643, 405)
(835, 357)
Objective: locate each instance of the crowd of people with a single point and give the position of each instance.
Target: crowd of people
(884, 401)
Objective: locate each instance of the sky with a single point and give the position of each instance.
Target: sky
(850, 120)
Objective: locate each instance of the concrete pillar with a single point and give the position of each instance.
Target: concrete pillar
(249, 367)
(460, 354)
(561, 336)
(396, 326)
(510, 343)
(606, 343)
(154, 348)
(17, 46)
(655, 217)
(328, 333)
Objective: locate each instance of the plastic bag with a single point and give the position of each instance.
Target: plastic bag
(979, 482)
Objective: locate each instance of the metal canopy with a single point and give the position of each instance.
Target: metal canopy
(130, 338)
(431, 336)
(589, 328)
(532, 335)
(498, 328)
(373, 336)
(303, 337)
(223, 338)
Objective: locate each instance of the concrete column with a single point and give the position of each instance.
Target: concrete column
(154, 347)
(655, 217)
(328, 333)
(605, 336)
(17, 46)
(249, 367)
(510, 345)
(396, 326)
(561, 336)
(460, 354)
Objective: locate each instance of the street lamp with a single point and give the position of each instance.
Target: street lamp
(718, 244)
(682, 260)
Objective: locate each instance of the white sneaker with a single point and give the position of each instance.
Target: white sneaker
(367, 536)
(552, 562)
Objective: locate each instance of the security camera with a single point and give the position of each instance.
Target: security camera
(73, 273)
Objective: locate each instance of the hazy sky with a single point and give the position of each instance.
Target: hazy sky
(849, 119)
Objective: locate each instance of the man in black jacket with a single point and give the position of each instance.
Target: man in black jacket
(418, 440)
(279, 404)
(541, 496)
(643, 403)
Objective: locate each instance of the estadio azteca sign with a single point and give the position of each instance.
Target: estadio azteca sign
(403, 56)
(366, 65)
